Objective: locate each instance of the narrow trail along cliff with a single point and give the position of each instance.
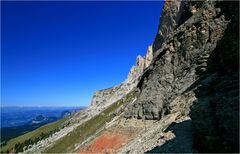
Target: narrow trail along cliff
(182, 96)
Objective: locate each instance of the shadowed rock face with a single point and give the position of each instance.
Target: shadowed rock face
(195, 62)
(181, 143)
(215, 114)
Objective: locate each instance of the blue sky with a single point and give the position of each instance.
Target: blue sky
(59, 53)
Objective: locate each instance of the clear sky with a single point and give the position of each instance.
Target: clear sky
(59, 53)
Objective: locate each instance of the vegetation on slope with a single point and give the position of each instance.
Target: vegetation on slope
(17, 144)
(8, 133)
(85, 130)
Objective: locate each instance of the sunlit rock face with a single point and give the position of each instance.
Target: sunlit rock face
(149, 57)
(174, 14)
(105, 97)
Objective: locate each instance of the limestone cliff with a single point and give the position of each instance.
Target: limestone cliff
(105, 97)
(195, 70)
(179, 61)
(173, 14)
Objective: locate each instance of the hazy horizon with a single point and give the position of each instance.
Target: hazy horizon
(40, 106)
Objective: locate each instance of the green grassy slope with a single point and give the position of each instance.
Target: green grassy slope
(46, 129)
(85, 130)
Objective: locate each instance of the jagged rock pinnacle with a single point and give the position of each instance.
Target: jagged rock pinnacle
(103, 98)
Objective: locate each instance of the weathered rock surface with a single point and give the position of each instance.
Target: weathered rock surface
(162, 133)
(105, 97)
(178, 63)
(174, 13)
(215, 113)
(195, 63)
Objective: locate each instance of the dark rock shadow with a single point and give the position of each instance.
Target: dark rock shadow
(183, 141)
(215, 113)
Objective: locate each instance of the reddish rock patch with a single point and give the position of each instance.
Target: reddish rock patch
(108, 142)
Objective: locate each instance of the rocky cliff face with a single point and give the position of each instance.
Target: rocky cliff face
(179, 61)
(105, 97)
(195, 62)
(174, 13)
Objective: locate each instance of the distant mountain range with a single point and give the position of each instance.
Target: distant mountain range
(16, 116)
(16, 121)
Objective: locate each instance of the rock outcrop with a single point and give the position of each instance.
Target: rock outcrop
(174, 13)
(178, 63)
(195, 61)
(105, 97)
(149, 57)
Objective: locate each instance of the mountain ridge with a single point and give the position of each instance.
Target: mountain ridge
(105, 97)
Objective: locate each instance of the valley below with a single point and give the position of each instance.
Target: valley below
(16, 121)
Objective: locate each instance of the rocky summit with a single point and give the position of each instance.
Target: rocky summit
(182, 96)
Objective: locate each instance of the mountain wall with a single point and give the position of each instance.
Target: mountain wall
(179, 62)
(174, 13)
(195, 72)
